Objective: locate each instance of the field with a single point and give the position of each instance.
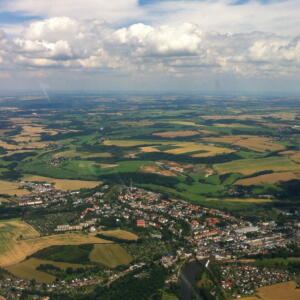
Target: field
(179, 147)
(255, 143)
(250, 166)
(174, 134)
(156, 170)
(110, 255)
(242, 200)
(65, 184)
(280, 291)
(27, 269)
(293, 155)
(269, 178)
(19, 240)
(120, 234)
(12, 188)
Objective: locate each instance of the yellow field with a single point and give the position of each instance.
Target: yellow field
(235, 117)
(110, 255)
(255, 143)
(182, 147)
(12, 188)
(27, 269)
(73, 153)
(120, 234)
(250, 166)
(187, 123)
(31, 145)
(138, 123)
(149, 149)
(269, 178)
(234, 125)
(104, 166)
(156, 170)
(3, 199)
(280, 291)
(186, 147)
(293, 155)
(19, 240)
(65, 184)
(174, 134)
(242, 200)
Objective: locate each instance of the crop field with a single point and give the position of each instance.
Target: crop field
(12, 188)
(242, 200)
(27, 269)
(82, 155)
(19, 240)
(156, 170)
(174, 134)
(184, 123)
(269, 178)
(250, 166)
(280, 291)
(293, 155)
(65, 184)
(120, 234)
(110, 255)
(255, 143)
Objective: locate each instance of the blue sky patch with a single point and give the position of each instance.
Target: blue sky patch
(15, 18)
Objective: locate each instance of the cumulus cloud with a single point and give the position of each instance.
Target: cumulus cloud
(63, 42)
(178, 50)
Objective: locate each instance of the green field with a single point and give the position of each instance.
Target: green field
(110, 255)
(250, 166)
(28, 269)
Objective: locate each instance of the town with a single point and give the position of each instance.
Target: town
(191, 233)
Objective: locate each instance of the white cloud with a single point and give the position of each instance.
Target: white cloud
(184, 51)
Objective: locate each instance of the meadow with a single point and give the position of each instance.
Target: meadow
(110, 255)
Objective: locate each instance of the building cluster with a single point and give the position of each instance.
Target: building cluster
(204, 233)
(243, 279)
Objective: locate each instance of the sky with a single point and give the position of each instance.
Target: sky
(150, 45)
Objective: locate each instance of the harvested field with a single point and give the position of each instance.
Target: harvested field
(30, 145)
(280, 291)
(82, 155)
(250, 166)
(186, 123)
(234, 125)
(269, 178)
(104, 166)
(230, 139)
(19, 240)
(234, 117)
(138, 123)
(186, 147)
(65, 184)
(149, 149)
(156, 170)
(12, 188)
(293, 155)
(174, 134)
(181, 147)
(242, 200)
(110, 255)
(255, 143)
(120, 234)
(126, 143)
(28, 269)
